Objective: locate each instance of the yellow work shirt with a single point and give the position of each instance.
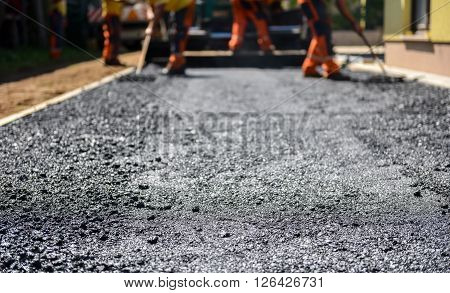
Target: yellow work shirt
(172, 5)
(111, 7)
(60, 6)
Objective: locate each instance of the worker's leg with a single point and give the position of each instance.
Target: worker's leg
(329, 66)
(57, 26)
(106, 38)
(182, 20)
(257, 15)
(318, 52)
(239, 25)
(115, 40)
(111, 34)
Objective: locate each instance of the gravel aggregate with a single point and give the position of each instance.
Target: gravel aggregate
(230, 170)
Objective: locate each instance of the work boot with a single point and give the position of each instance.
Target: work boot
(312, 74)
(309, 70)
(266, 45)
(55, 54)
(331, 70)
(235, 43)
(268, 51)
(236, 51)
(338, 76)
(113, 62)
(176, 65)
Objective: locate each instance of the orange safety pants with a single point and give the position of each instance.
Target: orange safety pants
(320, 52)
(180, 22)
(57, 27)
(111, 35)
(253, 10)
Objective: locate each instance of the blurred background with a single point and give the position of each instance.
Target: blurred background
(25, 44)
(405, 30)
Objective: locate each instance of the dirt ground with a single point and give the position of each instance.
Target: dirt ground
(19, 95)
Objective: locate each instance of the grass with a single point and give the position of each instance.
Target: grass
(15, 60)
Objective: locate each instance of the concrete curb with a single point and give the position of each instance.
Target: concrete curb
(420, 76)
(65, 96)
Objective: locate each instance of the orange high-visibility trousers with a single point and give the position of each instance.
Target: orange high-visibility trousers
(180, 22)
(320, 52)
(111, 35)
(57, 27)
(253, 10)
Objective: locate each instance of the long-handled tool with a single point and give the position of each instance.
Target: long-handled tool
(374, 56)
(385, 78)
(145, 45)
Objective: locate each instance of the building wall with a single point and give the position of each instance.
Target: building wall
(428, 52)
(440, 21)
(396, 18)
(422, 56)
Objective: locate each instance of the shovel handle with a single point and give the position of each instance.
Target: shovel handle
(144, 51)
(374, 56)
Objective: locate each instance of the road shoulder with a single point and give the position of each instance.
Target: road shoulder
(27, 95)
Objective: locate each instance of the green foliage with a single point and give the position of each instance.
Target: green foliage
(374, 14)
(28, 58)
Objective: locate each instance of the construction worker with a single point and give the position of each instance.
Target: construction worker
(58, 12)
(320, 52)
(255, 11)
(111, 10)
(182, 14)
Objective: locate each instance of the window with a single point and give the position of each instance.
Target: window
(420, 15)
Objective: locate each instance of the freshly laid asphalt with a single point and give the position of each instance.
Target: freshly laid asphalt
(230, 170)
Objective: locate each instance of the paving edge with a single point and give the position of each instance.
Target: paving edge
(420, 76)
(63, 97)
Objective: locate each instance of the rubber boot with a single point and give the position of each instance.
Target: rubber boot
(309, 68)
(266, 45)
(175, 66)
(235, 43)
(55, 53)
(113, 62)
(332, 71)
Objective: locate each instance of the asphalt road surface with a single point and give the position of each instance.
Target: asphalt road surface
(230, 170)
